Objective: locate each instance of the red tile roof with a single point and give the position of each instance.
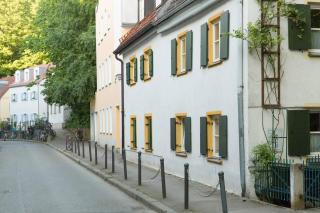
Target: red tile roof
(7, 82)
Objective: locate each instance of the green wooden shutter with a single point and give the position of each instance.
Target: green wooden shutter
(173, 57)
(203, 135)
(150, 133)
(204, 45)
(188, 135)
(224, 39)
(173, 133)
(135, 133)
(298, 132)
(189, 49)
(142, 67)
(300, 40)
(150, 62)
(135, 70)
(223, 139)
(128, 73)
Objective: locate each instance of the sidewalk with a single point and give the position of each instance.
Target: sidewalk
(201, 198)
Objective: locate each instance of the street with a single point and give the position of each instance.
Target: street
(36, 179)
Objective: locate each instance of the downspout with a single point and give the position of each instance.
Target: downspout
(122, 102)
(241, 116)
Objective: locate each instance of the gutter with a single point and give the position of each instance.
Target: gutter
(241, 116)
(122, 102)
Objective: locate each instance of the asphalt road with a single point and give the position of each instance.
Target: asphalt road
(36, 179)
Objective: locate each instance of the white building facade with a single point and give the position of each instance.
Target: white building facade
(194, 95)
(27, 103)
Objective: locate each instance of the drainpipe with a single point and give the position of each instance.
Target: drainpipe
(242, 159)
(122, 102)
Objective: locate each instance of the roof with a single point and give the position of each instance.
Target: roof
(160, 14)
(5, 84)
(41, 77)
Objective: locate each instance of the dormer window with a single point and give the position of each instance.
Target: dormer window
(17, 77)
(26, 75)
(36, 72)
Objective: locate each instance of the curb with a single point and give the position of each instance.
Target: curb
(134, 193)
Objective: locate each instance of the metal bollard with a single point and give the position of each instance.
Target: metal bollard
(75, 147)
(105, 156)
(83, 149)
(90, 153)
(67, 143)
(95, 153)
(78, 143)
(186, 186)
(112, 152)
(223, 193)
(139, 168)
(163, 178)
(124, 164)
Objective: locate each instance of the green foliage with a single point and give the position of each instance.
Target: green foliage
(67, 33)
(261, 154)
(15, 29)
(259, 35)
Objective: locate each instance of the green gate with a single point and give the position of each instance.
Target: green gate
(312, 182)
(272, 183)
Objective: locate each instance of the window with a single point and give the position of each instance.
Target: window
(109, 70)
(133, 132)
(110, 120)
(33, 95)
(132, 71)
(24, 96)
(107, 121)
(215, 39)
(59, 109)
(146, 64)
(315, 131)
(36, 73)
(26, 75)
(14, 98)
(101, 121)
(141, 9)
(17, 77)
(315, 27)
(181, 53)
(214, 135)
(54, 109)
(181, 134)
(148, 132)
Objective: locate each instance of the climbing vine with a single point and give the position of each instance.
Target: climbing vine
(263, 36)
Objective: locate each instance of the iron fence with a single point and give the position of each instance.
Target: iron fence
(312, 182)
(272, 183)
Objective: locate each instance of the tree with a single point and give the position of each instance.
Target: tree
(15, 29)
(67, 33)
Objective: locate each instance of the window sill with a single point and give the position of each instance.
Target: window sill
(314, 52)
(147, 78)
(132, 83)
(182, 73)
(133, 148)
(215, 160)
(149, 150)
(181, 154)
(215, 63)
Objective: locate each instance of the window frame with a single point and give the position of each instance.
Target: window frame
(132, 76)
(147, 146)
(212, 21)
(211, 140)
(313, 132)
(146, 67)
(133, 130)
(179, 127)
(314, 6)
(181, 37)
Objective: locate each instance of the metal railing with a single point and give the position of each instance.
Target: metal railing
(312, 182)
(272, 183)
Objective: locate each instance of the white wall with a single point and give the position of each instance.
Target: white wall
(195, 93)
